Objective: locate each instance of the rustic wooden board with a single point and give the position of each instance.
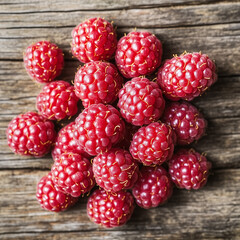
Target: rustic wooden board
(209, 26)
(217, 105)
(203, 212)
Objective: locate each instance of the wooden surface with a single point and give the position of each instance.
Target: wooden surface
(210, 26)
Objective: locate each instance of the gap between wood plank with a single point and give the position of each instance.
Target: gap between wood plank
(131, 27)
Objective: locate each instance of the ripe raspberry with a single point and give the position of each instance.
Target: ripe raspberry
(189, 169)
(187, 76)
(97, 82)
(138, 53)
(141, 101)
(50, 197)
(57, 101)
(43, 61)
(153, 144)
(115, 170)
(73, 174)
(110, 209)
(186, 121)
(93, 40)
(98, 127)
(65, 142)
(154, 187)
(30, 134)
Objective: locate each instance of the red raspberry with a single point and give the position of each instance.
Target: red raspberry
(189, 169)
(186, 76)
(154, 187)
(115, 170)
(73, 174)
(50, 197)
(141, 101)
(43, 61)
(30, 134)
(57, 101)
(186, 121)
(138, 53)
(66, 142)
(97, 82)
(93, 40)
(153, 144)
(98, 127)
(110, 209)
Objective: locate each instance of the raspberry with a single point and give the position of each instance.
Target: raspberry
(154, 187)
(138, 53)
(153, 144)
(187, 76)
(115, 170)
(93, 40)
(30, 134)
(57, 101)
(186, 121)
(43, 61)
(141, 101)
(189, 169)
(65, 142)
(73, 174)
(98, 127)
(97, 82)
(110, 209)
(50, 197)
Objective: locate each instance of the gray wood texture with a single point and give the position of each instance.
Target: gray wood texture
(212, 27)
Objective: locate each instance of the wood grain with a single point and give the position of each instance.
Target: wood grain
(174, 219)
(220, 42)
(156, 17)
(21, 6)
(217, 105)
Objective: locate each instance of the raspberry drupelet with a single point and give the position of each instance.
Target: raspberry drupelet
(50, 198)
(189, 169)
(97, 82)
(65, 142)
(98, 128)
(30, 134)
(43, 61)
(187, 76)
(138, 53)
(153, 144)
(94, 40)
(115, 170)
(72, 174)
(110, 209)
(57, 101)
(154, 187)
(186, 121)
(141, 101)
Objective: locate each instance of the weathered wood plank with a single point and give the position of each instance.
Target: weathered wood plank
(17, 89)
(223, 12)
(123, 235)
(220, 42)
(214, 208)
(61, 5)
(222, 143)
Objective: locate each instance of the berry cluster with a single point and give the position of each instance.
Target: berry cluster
(131, 141)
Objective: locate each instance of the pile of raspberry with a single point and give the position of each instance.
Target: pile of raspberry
(129, 142)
